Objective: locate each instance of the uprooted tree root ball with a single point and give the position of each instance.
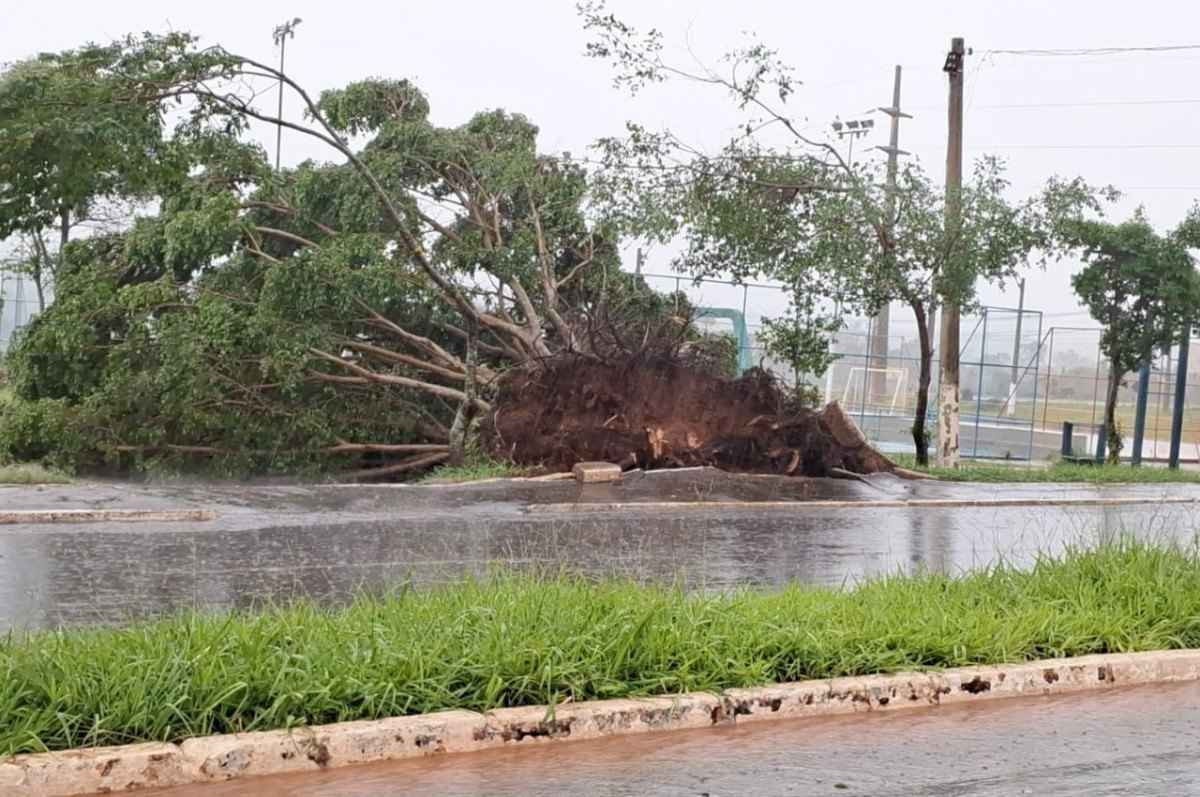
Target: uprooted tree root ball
(663, 413)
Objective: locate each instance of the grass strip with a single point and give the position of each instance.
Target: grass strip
(477, 471)
(29, 473)
(1059, 472)
(512, 640)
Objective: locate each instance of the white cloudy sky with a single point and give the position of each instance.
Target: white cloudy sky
(1113, 118)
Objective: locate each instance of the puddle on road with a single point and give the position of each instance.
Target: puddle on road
(279, 543)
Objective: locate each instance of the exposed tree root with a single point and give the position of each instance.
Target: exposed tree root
(665, 414)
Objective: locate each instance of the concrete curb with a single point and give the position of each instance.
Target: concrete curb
(220, 758)
(899, 503)
(9, 517)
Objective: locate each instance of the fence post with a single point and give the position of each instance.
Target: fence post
(1139, 417)
(1180, 396)
(1036, 373)
(1049, 376)
(979, 386)
(1068, 439)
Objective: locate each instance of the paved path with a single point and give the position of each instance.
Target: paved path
(1137, 741)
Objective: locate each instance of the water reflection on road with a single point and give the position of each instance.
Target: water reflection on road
(279, 543)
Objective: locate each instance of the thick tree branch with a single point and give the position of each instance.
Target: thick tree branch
(400, 381)
(289, 236)
(415, 463)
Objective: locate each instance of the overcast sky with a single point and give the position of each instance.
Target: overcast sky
(526, 56)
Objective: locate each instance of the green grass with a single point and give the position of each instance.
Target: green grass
(516, 640)
(1058, 472)
(476, 471)
(29, 473)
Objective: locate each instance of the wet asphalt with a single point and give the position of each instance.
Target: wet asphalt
(277, 542)
(1139, 741)
(272, 543)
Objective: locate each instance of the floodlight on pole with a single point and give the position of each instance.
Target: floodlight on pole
(852, 129)
(281, 35)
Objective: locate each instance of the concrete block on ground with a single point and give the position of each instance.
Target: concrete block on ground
(596, 472)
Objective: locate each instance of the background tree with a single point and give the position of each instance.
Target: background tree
(1142, 287)
(70, 155)
(797, 213)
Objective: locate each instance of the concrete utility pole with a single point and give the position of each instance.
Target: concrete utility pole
(877, 352)
(282, 33)
(947, 450)
(1016, 361)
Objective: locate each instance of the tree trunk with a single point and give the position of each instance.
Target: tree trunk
(41, 262)
(920, 435)
(460, 430)
(64, 234)
(1110, 414)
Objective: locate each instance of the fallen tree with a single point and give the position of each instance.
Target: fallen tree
(367, 314)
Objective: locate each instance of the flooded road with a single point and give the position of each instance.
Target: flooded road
(272, 543)
(1137, 741)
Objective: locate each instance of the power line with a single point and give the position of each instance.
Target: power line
(1070, 52)
(1010, 106)
(1094, 104)
(1085, 146)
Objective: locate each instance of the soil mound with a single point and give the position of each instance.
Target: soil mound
(669, 414)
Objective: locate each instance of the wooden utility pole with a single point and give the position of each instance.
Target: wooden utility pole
(947, 450)
(877, 351)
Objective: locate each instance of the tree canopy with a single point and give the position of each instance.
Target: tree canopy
(1142, 287)
(354, 312)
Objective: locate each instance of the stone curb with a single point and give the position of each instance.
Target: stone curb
(9, 517)
(899, 503)
(220, 758)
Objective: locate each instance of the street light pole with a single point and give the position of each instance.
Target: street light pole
(878, 351)
(282, 34)
(852, 129)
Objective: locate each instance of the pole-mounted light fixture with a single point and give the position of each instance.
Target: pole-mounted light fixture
(282, 33)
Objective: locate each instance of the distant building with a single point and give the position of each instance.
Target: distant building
(18, 305)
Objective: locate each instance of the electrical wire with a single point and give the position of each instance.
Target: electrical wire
(1072, 52)
(1085, 146)
(1089, 104)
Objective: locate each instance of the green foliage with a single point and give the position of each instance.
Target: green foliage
(1142, 286)
(368, 106)
(518, 640)
(66, 141)
(714, 353)
(476, 469)
(47, 431)
(775, 204)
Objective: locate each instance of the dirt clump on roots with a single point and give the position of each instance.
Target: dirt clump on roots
(669, 414)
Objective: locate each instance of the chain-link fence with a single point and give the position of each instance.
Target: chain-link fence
(1020, 379)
